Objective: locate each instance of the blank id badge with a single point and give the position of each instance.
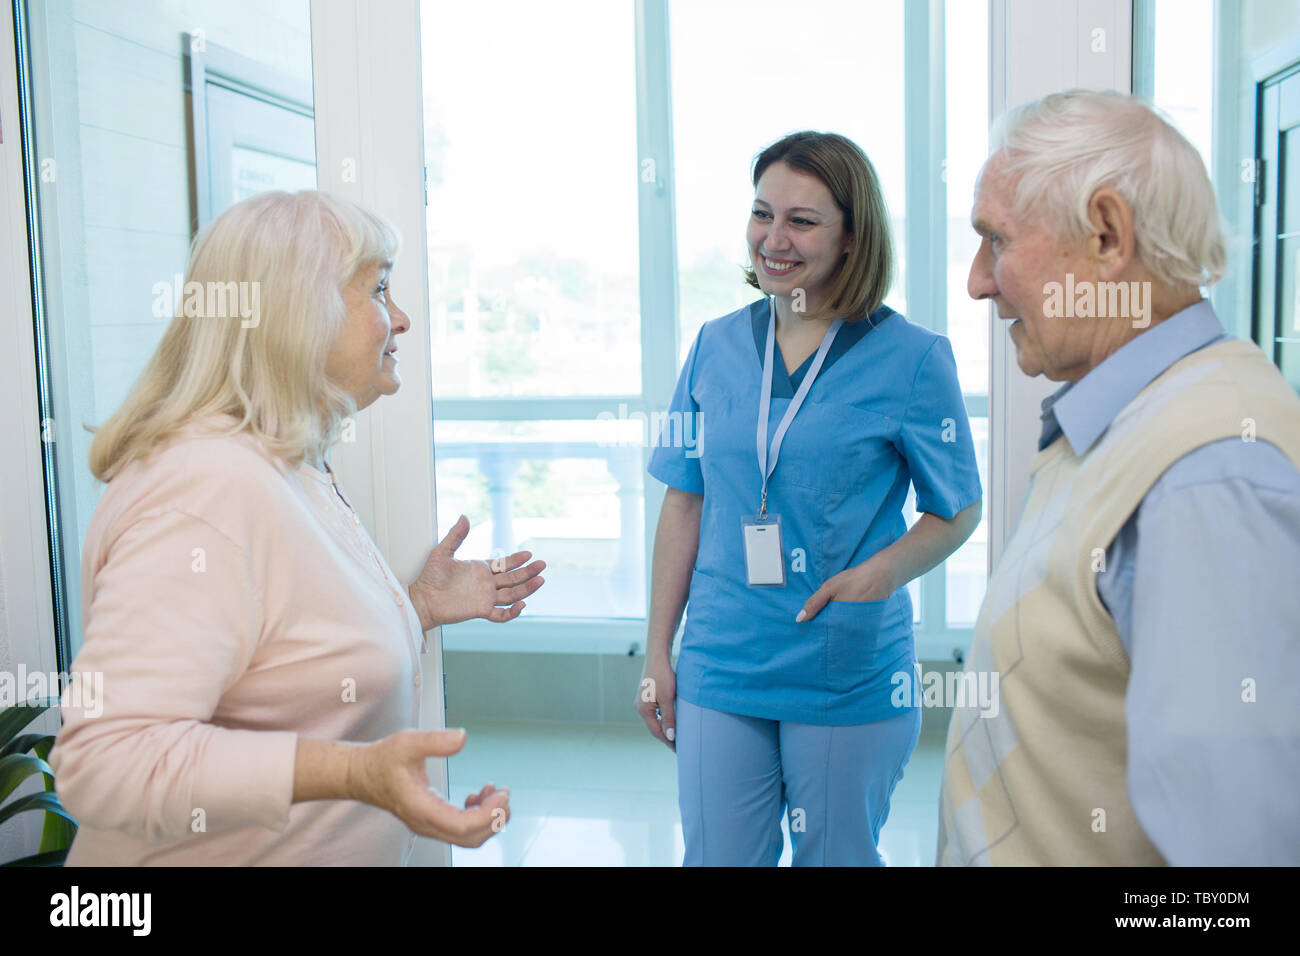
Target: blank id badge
(764, 552)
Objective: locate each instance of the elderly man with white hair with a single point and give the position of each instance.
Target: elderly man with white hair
(1144, 619)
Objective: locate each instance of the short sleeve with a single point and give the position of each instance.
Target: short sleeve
(935, 437)
(172, 623)
(676, 437)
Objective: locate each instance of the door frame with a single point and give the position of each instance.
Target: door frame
(370, 148)
(1267, 72)
(28, 636)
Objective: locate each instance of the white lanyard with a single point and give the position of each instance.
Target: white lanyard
(765, 467)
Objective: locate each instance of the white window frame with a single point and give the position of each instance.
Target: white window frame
(926, 303)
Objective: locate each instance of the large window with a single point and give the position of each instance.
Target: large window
(588, 194)
(531, 147)
(740, 83)
(587, 182)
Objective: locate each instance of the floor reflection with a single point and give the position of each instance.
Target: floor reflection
(601, 795)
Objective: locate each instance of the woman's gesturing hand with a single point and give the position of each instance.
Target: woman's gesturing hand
(449, 590)
(658, 692)
(390, 774)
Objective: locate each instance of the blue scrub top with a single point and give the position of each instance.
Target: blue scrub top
(885, 411)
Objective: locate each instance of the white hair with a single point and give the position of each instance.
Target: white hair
(300, 250)
(1059, 150)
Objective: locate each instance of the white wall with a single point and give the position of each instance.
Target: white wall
(1038, 48)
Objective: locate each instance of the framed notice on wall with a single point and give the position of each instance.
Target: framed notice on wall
(251, 130)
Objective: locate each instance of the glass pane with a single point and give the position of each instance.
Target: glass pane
(1183, 45)
(569, 491)
(966, 133)
(914, 585)
(122, 187)
(1184, 88)
(1288, 313)
(772, 73)
(966, 71)
(532, 219)
(966, 570)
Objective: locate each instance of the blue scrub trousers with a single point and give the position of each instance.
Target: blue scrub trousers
(736, 775)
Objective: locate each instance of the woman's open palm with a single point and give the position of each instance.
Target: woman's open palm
(450, 590)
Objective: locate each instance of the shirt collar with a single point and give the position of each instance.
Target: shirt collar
(783, 384)
(1083, 410)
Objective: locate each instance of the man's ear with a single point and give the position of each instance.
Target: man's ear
(1112, 242)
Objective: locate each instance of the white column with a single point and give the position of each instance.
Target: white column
(1038, 48)
(370, 148)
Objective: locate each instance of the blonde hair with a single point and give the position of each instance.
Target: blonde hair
(1061, 149)
(298, 251)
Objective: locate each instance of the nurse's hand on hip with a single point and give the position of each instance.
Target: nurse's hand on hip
(872, 580)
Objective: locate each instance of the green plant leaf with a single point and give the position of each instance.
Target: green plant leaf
(37, 801)
(57, 832)
(58, 828)
(53, 858)
(21, 745)
(18, 716)
(16, 768)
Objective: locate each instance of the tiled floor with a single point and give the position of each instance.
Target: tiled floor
(602, 795)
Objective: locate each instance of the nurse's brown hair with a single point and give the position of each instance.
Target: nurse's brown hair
(860, 285)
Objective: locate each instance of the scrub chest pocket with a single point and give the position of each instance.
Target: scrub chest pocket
(838, 448)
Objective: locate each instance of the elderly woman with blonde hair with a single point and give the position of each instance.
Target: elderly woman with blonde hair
(260, 659)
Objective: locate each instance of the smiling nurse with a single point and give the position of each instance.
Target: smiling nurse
(784, 540)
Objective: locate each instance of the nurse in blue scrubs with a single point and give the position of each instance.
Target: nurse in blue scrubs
(782, 533)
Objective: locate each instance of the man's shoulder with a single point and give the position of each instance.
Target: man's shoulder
(1238, 362)
(1253, 466)
(1229, 386)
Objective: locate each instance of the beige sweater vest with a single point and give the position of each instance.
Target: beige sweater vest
(1044, 780)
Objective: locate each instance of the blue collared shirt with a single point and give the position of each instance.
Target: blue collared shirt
(1201, 583)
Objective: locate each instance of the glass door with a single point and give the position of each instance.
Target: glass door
(1277, 311)
(143, 121)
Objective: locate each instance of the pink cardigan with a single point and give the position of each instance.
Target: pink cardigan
(232, 604)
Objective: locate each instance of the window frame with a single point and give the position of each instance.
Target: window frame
(926, 203)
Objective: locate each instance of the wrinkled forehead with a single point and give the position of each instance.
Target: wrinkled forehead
(992, 193)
